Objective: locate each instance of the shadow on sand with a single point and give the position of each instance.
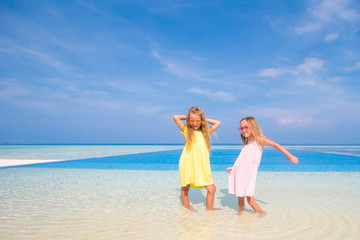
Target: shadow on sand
(231, 201)
(198, 195)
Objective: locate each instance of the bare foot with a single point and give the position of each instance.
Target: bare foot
(262, 214)
(214, 209)
(191, 209)
(240, 212)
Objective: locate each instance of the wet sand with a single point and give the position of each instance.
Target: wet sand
(52, 203)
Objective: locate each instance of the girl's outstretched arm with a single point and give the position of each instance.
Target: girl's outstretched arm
(214, 124)
(280, 148)
(178, 120)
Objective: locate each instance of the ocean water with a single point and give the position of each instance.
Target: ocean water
(118, 192)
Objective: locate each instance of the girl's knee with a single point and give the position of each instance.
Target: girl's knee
(185, 189)
(211, 188)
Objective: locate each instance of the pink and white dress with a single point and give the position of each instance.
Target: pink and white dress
(242, 179)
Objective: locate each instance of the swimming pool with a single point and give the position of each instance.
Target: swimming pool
(220, 159)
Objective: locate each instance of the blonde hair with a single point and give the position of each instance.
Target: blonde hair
(255, 130)
(203, 128)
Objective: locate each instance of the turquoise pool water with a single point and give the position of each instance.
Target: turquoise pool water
(311, 158)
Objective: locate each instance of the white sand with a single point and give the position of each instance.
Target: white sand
(49, 203)
(17, 162)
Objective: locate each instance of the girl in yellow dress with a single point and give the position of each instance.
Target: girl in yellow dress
(194, 164)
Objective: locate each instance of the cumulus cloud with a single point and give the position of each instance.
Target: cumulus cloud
(311, 65)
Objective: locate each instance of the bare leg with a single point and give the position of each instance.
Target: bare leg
(241, 203)
(253, 204)
(211, 189)
(256, 206)
(185, 198)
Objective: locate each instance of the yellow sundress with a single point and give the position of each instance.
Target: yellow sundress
(194, 164)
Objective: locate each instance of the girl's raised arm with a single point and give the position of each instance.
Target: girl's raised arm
(178, 120)
(214, 124)
(280, 148)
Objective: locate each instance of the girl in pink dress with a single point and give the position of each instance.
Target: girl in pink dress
(242, 176)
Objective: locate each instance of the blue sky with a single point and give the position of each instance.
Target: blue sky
(117, 71)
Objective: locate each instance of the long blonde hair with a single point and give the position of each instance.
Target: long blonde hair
(204, 128)
(255, 130)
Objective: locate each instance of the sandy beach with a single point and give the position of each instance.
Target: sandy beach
(44, 203)
(22, 162)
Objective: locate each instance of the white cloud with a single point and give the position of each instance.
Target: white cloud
(128, 85)
(277, 113)
(215, 95)
(75, 91)
(308, 27)
(148, 110)
(331, 37)
(37, 55)
(10, 92)
(307, 81)
(110, 104)
(337, 79)
(184, 68)
(164, 84)
(326, 12)
(311, 65)
(174, 67)
(294, 117)
(11, 89)
(353, 68)
(272, 72)
(295, 121)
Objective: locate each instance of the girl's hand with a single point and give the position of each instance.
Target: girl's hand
(229, 169)
(293, 159)
(215, 124)
(178, 121)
